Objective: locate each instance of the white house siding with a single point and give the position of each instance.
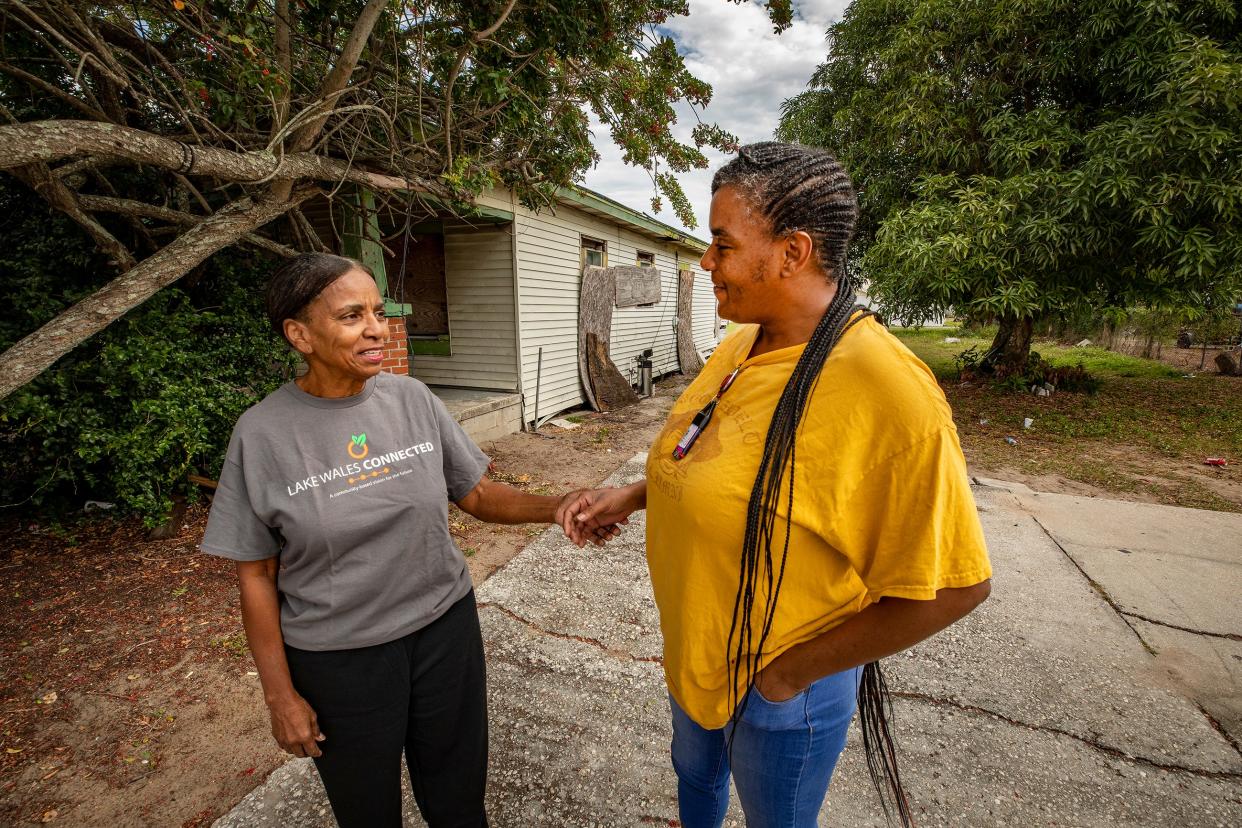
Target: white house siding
(478, 266)
(635, 329)
(548, 256)
(549, 266)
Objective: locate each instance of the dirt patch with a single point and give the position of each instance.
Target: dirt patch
(1139, 439)
(128, 697)
(127, 694)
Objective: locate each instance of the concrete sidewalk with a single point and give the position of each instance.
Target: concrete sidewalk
(1097, 687)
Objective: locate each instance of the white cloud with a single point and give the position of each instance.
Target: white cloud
(751, 70)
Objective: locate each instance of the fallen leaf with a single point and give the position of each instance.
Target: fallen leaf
(49, 698)
(13, 750)
(49, 815)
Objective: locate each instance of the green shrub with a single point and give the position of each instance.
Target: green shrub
(1036, 371)
(128, 414)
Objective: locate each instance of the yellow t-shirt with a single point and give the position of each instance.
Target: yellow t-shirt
(882, 504)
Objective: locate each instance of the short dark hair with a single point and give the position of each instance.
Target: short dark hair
(300, 280)
(797, 188)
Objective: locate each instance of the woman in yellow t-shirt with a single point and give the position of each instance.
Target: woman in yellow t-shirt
(808, 509)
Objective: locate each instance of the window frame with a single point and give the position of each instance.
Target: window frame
(586, 245)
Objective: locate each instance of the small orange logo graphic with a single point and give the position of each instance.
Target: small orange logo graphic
(358, 447)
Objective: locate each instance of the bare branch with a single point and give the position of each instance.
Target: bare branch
(479, 37)
(341, 71)
(284, 63)
(128, 207)
(198, 196)
(40, 179)
(50, 89)
(85, 55)
(308, 229)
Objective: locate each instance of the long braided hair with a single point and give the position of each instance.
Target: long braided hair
(797, 188)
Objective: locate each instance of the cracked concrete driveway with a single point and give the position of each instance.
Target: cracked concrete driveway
(1097, 687)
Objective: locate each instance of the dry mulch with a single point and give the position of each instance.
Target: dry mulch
(117, 658)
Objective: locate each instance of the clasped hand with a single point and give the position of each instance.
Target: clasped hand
(594, 516)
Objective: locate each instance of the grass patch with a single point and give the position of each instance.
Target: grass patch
(234, 644)
(929, 345)
(1146, 433)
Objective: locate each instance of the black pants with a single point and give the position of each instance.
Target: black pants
(424, 694)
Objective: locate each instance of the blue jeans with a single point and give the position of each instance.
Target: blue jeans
(782, 758)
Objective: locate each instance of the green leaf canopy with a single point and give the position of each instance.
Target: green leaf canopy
(1021, 159)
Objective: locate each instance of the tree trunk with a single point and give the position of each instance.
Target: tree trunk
(1011, 348)
(37, 352)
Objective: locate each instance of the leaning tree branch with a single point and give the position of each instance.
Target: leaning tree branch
(39, 177)
(141, 209)
(284, 63)
(330, 90)
(37, 352)
(341, 71)
(48, 141)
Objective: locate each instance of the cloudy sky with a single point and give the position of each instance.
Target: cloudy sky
(751, 70)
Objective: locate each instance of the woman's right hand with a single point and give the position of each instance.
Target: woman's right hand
(295, 726)
(581, 517)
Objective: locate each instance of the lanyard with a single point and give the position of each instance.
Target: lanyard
(704, 416)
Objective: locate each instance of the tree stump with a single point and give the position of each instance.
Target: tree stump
(171, 527)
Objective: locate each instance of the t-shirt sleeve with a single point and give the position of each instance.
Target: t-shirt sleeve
(464, 462)
(234, 531)
(911, 526)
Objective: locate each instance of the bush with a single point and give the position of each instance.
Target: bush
(127, 415)
(1036, 372)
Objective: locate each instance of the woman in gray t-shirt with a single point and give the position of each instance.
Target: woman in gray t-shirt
(358, 607)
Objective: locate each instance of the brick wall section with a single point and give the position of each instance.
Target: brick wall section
(397, 351)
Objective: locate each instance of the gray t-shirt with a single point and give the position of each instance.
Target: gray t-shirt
(352, 495)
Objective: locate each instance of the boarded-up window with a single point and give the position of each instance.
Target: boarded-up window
(594, 252)
(637, 286)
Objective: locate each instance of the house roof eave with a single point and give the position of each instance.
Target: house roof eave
(600, 205)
